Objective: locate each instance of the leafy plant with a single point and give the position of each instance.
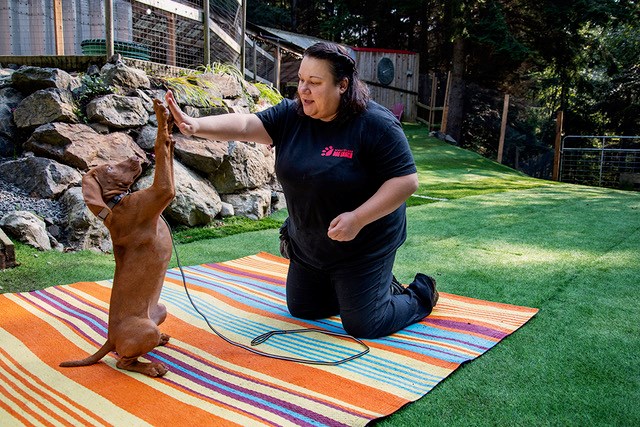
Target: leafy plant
(192, 90)
(269, 93)
(91, 87)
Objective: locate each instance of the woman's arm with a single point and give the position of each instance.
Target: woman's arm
(391, 195)
(223, 127)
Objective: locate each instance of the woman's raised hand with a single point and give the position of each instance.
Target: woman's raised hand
(185, 123)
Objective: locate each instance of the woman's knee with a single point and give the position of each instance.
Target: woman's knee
(360, 327)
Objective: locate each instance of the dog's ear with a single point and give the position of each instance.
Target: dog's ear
(92, 193)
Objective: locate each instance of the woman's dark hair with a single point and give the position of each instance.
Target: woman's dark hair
(354, 100)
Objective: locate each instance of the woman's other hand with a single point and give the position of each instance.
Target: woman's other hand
(344, 227)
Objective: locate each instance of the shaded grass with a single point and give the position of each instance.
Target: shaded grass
(445, 171)
(571, 251)
(229, 227)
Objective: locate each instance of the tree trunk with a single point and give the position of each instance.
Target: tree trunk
(455, 116)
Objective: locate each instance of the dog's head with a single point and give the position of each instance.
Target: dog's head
(104, 182)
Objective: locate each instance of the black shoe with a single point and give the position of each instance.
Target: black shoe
(396, 287)
(425, 288)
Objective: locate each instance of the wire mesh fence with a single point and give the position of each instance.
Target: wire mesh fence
(171, 32)
(605, 161)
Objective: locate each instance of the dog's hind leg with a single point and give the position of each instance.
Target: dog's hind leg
(140, 337)
(148, 368)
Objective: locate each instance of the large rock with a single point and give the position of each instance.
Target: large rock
(228, 85)
(5, 77)
(125, 78)
(45, 106)
(28, 79)
(117, 111)
(203, 155)
(27, 228)
(9, 100)
(196, 201)
(247, 166)
(147, 137)
(40, 177)
(84, 230)
(81, 147)
(254, 204)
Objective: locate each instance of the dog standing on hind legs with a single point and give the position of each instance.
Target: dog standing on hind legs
(142, 250)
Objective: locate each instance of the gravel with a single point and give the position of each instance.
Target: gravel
(14, 199)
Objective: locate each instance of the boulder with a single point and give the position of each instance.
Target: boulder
(147, 137)
(27, 228)
(45, 106)
(228, 85)
(40, 177)
(80, 146)
(28, 79)
(200, 154)
(253, 204)
(5, 77)
(196, 201)
(84, 230)
(248, 165)
(123, 77)
(116, 111)
(9, 100)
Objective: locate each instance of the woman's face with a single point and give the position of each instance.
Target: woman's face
(318, 92)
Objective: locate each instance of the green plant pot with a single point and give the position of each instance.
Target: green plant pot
(126, 49)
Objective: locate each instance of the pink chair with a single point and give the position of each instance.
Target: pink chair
(397, 110)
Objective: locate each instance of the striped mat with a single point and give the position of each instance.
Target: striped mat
(211, 382)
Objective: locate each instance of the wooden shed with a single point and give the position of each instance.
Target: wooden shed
(392, 76)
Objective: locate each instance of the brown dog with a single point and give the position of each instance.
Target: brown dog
(142, 250)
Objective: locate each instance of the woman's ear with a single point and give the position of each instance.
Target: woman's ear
(92, 193)
(344, 85)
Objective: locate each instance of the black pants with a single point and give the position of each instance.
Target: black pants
(361, 295)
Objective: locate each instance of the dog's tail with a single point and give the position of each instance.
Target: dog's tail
(94, 358)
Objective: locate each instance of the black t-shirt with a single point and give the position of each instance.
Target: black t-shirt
(326, 169)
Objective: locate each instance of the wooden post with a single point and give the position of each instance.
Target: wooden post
(171, 39)
(206, 15)
(243, 42)
(432, 103)
(108, 18)
(255, 61)
(58, 27)
(503, 126)
(445, 107)
(556, 155)
(278, 65)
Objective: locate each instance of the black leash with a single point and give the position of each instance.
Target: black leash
(264, 337)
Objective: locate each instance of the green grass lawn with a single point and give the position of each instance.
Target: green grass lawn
(571, 251)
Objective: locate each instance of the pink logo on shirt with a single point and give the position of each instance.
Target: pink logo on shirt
(330, 151)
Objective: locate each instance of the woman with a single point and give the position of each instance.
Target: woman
(346, 171)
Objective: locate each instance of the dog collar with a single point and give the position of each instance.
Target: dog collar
(111, 203)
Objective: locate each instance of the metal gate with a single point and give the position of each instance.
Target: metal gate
(604, 161)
